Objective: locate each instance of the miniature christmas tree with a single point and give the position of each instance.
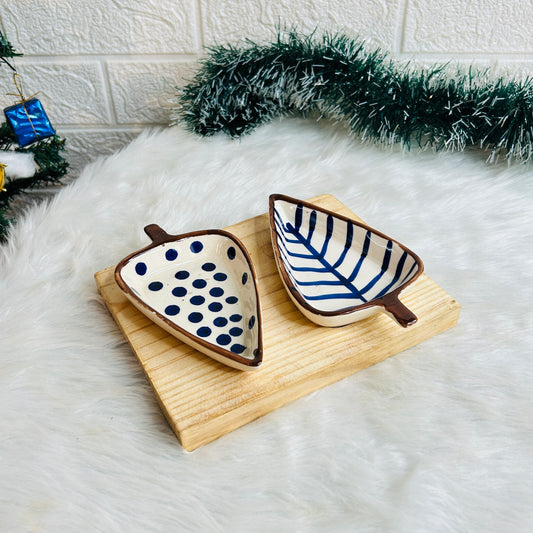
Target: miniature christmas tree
(30, 151)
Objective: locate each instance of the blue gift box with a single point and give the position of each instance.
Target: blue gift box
(29, 121)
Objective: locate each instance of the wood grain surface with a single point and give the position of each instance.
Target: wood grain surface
(203, 400)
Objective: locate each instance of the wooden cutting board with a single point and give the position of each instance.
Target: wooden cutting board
(203, 399)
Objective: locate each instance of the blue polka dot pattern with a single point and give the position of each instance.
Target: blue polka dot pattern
(215, 307)
(223, 339)
(235, 318)
(182, 274)
(251, 322)
(237, 348)
(172, 310)
(244, 278)
(231, 253)
(155, 286)
(171, 254)
(179, 291)
(216, 292)
(197, 300)
(204, 331)
(199, 283)
(220, 276)
(208, 267)
(195, 317)
(141, 268)
(196, 247)
(220, 321)
(235, 332)
(232, 299)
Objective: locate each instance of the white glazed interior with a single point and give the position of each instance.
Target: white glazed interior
(233, 323)
(380, 271)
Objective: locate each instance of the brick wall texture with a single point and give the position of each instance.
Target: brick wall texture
(107, 69)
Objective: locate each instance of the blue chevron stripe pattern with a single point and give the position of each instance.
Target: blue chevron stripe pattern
(336, 264)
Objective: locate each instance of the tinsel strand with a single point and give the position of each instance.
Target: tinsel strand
(238, 88)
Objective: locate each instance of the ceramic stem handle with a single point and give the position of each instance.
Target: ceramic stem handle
(404, 316)
(157, 234)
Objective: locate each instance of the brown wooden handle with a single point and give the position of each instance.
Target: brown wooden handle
(404, 316)
(157, 234)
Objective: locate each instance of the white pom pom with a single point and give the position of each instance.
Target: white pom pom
(18, 165)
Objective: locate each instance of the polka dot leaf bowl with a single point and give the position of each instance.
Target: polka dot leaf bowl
(337, 270)
(200, 287)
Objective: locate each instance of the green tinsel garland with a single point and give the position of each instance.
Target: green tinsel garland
(238, 88)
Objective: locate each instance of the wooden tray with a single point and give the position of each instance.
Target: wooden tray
(203, 399)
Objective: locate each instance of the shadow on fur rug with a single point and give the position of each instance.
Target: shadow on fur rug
(438, 438)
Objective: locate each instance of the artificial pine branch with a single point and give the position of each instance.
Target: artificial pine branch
(6, 48)
(238, 88)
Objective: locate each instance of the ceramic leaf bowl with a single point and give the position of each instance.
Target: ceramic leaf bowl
(337, 270)
(201, 288)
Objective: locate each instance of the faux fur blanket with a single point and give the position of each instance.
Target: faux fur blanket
(438, 438)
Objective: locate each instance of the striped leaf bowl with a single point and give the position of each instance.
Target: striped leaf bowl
(337, 270)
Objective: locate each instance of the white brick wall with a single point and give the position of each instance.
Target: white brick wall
(106, 69)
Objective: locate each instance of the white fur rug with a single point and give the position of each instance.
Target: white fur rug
(436, 439)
